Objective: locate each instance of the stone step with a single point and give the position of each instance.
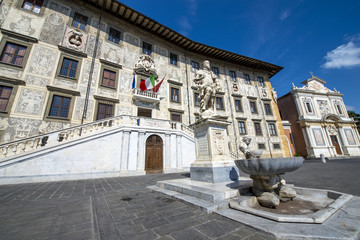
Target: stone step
(213, 193)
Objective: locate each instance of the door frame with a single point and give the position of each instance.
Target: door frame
(163, 150)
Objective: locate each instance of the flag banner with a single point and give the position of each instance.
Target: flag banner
(133, 83)
(156, 88)
(148, 83)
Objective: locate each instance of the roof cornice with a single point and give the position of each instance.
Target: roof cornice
(139, 20)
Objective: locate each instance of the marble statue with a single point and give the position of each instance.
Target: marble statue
(208, 86)
(244, 148)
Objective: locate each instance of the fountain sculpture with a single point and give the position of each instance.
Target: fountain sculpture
(269, 187)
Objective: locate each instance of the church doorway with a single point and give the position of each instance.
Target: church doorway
(154, 155)
(336, 144)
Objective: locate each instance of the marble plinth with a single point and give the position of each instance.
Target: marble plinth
(213, 162)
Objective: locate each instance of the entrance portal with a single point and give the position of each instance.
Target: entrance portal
(336, 144)
(154, 155)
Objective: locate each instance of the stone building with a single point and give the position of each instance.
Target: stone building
(319, 120)
(66, 63)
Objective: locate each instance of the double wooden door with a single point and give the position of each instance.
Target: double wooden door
(154, 155)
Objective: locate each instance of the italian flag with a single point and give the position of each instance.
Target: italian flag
(148, 83)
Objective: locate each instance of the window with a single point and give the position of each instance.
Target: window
(175, 94)
(13, 54)
(261, 145)
(253, 107)
(308, 107)
(79, 21)
(195, 66)
(196, 99)
(247, 78)
(219, 103)
(267, 109)
(242, 128)
(232, 75)
(109, 78)
(32, 5)
(338, 108)
(173, 59)
(238, 107)
(68, 68)
(176, 117)
(257, 129)
(261, 81)
(104, 111)
(144, 112)
(60, 106)
(146, 48)
(114, 36)
(215, 70)
(276, 146)
(5, 94)
(272, 129)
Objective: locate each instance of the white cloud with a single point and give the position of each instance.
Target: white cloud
(185, 26)
(284, 15)
(344, 56)
(349, 108)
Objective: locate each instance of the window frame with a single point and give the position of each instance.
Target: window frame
(14, 84)
(194, 68)
(55, 91)
(18, 40)
(260, 148)
(178, 95)
(240, 104)
(215, 70)
(112, 104)
(222, 103)
(276, 148)
(171, 56)
(177, 114)
(232, 75)
(106, 66)
(247, 78)
(196, 99)
(260, 133)
(268, 111)
(244, 132)
(74, 58)
(272, 130)
(261, 81)
(20, 4)
(79, 22)
(146, 49)
(71, 19)
(255, 107)
(111, 29)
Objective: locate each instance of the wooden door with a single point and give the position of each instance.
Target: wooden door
(154, 155)
(336, 144)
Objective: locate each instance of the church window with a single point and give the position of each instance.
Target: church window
(104, 111)
(109, 78)
(68, 68)
(60, 106)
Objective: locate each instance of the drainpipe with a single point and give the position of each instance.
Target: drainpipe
(92, 68)
(187, 87)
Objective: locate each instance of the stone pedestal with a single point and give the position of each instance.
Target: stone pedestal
(213, 163)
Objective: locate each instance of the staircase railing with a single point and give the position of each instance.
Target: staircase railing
(53, 138)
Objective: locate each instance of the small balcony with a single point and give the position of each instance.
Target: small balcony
(145, 96)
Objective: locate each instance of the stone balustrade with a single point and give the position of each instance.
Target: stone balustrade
(148, 94)
(52, 139)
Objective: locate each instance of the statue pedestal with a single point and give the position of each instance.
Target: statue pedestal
(213, 163)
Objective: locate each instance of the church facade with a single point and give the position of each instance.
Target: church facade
(319, 121)
(65, 63)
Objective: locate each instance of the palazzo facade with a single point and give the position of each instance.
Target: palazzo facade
(319, 121)
(65, 63)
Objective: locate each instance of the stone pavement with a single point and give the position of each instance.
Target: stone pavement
(123, 208)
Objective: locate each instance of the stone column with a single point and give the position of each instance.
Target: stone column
(125, 150)
(213, 163)
(167, 163)
(179, 164)
(141, 150)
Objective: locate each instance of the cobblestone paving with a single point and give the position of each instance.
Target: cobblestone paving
(123, 208)
(111, 208)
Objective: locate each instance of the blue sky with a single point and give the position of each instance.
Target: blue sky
(302, 36)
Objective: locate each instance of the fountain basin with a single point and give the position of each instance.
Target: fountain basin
(269, 166)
